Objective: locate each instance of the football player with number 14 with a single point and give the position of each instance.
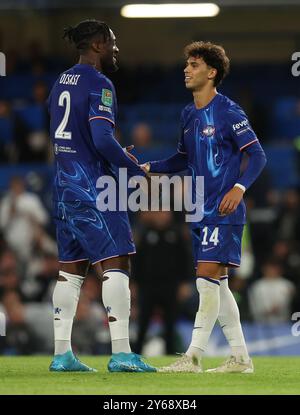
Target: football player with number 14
(215, 132)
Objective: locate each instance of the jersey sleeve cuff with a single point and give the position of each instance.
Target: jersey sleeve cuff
(99, 117)
(248, 144)
(240, 186)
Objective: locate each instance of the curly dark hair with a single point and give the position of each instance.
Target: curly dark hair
(213, 55)
(85, 31)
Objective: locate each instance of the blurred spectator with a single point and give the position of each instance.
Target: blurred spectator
(35, 60)
(257, 111)
(262, 221)
(247, 264)
(261, 191)
(141, 135)
(287, 252)
(286, 121)
(16, 128)
(20, 212)
(161, 272)
(20, 338)
(281, 251)
(40, 93)
(288, 227)
(270, 298)
(239, 288)
(34, 147)
(3, 244)
(42, 243)
(41, 275)
(12, 61)
(10, 279)
(6, 131)
(88, 323)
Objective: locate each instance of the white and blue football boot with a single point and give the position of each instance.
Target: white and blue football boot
(128, 362)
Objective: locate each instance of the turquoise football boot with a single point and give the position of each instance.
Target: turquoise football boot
(67, 362)
(128, 362)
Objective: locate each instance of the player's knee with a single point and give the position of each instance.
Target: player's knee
(210, 269)
(121, 262)
(77, 268)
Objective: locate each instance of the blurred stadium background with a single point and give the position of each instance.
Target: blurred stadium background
(260, 38)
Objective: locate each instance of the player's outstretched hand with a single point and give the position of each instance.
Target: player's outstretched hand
(145, 167)
(131, 156)
(231, 201)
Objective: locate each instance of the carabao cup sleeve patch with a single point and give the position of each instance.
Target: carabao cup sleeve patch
(107, 97)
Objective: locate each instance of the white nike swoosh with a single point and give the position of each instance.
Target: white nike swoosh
(185, 131)
(208, 249)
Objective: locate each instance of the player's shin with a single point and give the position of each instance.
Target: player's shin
(65, 300)
(229, 319)
(116, 300)
(207, 314)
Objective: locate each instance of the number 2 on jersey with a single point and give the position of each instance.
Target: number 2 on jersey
(64, 100)
(214, 237)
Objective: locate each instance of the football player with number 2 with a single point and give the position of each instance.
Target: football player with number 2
(82, 107)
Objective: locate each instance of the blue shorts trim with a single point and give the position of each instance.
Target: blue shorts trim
(75, 260)
(114, 256)
(220, 244)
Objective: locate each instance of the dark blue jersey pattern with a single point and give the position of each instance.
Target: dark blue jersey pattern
(211, 145)
(83, 109)
(212, 138)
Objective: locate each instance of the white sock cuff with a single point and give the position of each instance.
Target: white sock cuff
(206, 282)
(117, 271)
(75, 280)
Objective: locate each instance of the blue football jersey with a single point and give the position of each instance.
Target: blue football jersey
(213, 137)
(79, 95)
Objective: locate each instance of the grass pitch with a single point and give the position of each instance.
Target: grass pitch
(30, 376)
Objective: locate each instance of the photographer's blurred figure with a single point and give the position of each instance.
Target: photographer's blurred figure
(270, 297)
(20, 339)
(20, 211)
